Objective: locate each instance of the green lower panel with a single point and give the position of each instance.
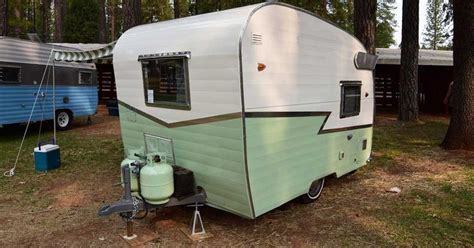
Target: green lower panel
(213, 151)
(286, 154)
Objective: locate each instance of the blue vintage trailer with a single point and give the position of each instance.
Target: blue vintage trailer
(22, 65)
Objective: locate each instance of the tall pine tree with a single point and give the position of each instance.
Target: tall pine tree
(460, 133)
(409, 102)
(435, 31)
(158, 10)
(132, 13)
(82, 22)
(386, 23)
(3, 17)
(364, 23)
(448, 23)
(59, 14)
(103, 34)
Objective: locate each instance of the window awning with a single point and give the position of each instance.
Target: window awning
(82, 56)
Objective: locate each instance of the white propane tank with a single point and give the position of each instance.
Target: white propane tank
(156, 180)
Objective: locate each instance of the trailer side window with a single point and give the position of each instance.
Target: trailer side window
(166, 82)
(85, 77)
(350, 98)
(10, 74)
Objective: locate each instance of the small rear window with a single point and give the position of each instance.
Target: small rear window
(166, 82)
(10, 74)
(350, 98)
(85, 77)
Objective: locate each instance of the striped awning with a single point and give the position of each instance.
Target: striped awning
(82, 56)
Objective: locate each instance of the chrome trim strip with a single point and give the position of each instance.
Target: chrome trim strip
(305, 114)
(204, 120)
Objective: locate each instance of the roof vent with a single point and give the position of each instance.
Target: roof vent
(256, 39)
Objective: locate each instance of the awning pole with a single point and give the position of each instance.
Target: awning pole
(54, 102)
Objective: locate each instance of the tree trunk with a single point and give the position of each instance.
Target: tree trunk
(102, 23)
(112, 6)
(19, 15)
(3, 17)
(59, 12)
(408, 109)
(364, 23)
(323, 8)
(460, 133)
(176, 8)
(132, 14)
(45, 12)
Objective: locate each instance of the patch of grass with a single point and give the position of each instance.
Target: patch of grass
(81, 157)
(447, 187)
(411, 139)
(440, 212)
(441, 216)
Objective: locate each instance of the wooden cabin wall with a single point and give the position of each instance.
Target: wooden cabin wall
(106, 83)
(433, 82)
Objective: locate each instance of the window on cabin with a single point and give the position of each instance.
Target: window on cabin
(85, 77)
(10, 74)
(166, 82)
(350, 98)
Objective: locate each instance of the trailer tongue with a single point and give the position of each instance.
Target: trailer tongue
(133, 202)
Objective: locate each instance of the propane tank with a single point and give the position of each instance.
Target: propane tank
(132, 158)
(156, 180)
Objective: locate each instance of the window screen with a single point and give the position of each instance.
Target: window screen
(85, 77)
(9, 74)
(166, 82)
(350, 98)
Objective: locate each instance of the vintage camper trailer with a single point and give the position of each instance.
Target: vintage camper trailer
(22, 65)
(261, 102)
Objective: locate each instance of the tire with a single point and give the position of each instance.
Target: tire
(63, 119)
(314, 191)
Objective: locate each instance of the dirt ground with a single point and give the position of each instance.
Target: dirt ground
(60, 208)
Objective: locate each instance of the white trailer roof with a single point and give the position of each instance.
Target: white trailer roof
(389, 56)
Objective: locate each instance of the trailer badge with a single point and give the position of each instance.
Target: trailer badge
(186, 54)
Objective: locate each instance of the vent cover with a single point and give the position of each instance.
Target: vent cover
(256, 39)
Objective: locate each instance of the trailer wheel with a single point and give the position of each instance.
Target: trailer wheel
(63, 119)
(314, 191)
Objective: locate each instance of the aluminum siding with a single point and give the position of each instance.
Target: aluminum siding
(16, 102)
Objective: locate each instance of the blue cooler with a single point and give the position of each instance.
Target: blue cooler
(47, 157)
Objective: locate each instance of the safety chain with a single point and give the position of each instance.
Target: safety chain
(135, 207)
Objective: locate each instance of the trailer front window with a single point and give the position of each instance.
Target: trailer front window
(166, 82)
(9, 74)
(350, 98)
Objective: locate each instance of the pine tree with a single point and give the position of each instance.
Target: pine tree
(386, 23)
(177, 9)
(435, 31)
(103, 38)
(44, 21)
(158, 10)
(114, 19)
(59, 14)
(341, 13)
(364, 23)
(82, 22)
(460, 133)
(3, 17)
(448, 23)
(409, 104)
(132, 13)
